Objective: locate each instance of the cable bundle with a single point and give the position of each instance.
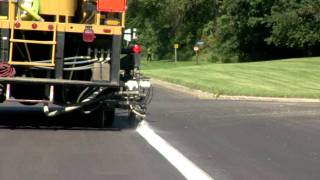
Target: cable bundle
(6, 70)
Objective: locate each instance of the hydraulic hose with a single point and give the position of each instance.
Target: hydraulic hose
(137, 113)
(81, 62)
(85, 60)
(68, 58)
(88, 101)
(6, 70)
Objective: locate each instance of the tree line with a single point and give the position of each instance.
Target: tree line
(233, 30)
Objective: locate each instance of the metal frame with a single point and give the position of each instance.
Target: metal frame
(115, 60)
(45, 81)
(4, 45)
(10, 24)
(59, 55)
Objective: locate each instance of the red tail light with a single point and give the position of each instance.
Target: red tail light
(136, 49)
(88, 36)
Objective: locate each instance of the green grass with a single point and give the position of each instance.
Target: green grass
(281, 78)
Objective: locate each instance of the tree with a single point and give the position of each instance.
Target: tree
(295, 24)
(162, 23)
(241, 29)
(233, 30)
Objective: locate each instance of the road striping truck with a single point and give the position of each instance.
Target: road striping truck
(70, 53)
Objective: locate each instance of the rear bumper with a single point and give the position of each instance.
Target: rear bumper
(45, 81)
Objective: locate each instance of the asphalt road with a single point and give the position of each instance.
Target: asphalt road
(241, 140)
(37, 148)
(231, 140)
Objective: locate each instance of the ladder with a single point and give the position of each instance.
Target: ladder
(29, 62)
(16, 23)
(21, 25)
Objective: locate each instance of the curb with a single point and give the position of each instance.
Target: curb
(208, 96)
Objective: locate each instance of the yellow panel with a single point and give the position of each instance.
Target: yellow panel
(58, 7)
(4, 24)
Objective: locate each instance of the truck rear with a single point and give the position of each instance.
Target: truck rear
(70, 54)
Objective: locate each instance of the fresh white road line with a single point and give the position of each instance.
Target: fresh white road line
(186, 167)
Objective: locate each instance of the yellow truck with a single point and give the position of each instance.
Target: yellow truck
(70, 53)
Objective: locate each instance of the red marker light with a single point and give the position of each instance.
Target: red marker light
(50, 27)
(17, 25)
(136, 49)
(88, 36)
(34, 26)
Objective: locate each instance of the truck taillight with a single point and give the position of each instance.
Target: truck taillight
(88, 35)
(136, 49)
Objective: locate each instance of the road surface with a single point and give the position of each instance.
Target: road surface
(230, 140)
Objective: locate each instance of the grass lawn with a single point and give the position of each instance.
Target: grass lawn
(281, 78)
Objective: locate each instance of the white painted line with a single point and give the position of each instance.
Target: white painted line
(186, 167)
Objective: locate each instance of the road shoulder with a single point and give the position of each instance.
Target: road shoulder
(209, 96)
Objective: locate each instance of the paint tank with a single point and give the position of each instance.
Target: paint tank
(58, 7)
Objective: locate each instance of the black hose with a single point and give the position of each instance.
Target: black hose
(76, 106)
(6, 70)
